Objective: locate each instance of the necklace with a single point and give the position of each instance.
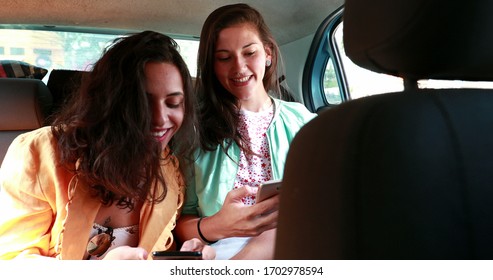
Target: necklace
(99, 244)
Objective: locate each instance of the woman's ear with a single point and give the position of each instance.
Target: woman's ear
(268, 55)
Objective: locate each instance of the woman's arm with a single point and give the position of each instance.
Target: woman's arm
(26, 208)
(235, 219)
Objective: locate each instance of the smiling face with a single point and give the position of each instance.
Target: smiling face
(240, 62)
(164, 86)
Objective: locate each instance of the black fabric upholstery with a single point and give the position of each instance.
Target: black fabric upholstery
(62, 83)
(401, 175)
(440, 39)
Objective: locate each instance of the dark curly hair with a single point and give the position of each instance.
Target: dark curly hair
(105, 129)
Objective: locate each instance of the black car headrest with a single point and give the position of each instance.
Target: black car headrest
(421, 39)
(62, 84)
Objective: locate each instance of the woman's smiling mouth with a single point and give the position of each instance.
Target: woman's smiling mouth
(239, 81)
(160, 135)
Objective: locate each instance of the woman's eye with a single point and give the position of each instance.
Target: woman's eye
(222, 58)
(174, 103)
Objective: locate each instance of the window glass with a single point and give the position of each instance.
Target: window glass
(189, 50)
(363, 82)
(17, 51)
(69, 50)
(331, 85)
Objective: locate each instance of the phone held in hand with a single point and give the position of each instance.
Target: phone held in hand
(176, 255)
(268, 189)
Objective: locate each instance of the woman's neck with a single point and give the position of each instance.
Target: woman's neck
(116, 217)
(257, 105)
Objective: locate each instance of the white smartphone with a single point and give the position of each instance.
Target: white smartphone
(268, 189)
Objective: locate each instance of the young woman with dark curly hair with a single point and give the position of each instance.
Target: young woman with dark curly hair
(105, 180)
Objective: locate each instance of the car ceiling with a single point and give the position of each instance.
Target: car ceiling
(289, 20)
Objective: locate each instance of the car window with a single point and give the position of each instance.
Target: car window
(70, 50)
(360, 82)
(331, 84)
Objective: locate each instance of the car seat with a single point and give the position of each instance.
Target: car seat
(404, 175)
(62, 83)
(24, 104)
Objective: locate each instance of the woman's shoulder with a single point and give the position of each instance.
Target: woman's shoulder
(35, 139)
(30, 153)
(294, 110)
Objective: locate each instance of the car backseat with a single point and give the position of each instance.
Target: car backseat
(24, 105)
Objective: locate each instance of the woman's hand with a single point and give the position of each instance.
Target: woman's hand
(208, 253)
(234, 219)
(237, 219)
(126, 253)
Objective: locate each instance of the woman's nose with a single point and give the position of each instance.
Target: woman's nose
(239, 63)
(159, 115)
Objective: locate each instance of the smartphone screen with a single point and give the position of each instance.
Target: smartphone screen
(176, 255)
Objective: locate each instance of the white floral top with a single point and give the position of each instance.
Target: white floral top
(254, 169)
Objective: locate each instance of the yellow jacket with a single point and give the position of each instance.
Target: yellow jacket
(38, 218)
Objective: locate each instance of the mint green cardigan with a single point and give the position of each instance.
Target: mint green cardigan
(215, 171)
